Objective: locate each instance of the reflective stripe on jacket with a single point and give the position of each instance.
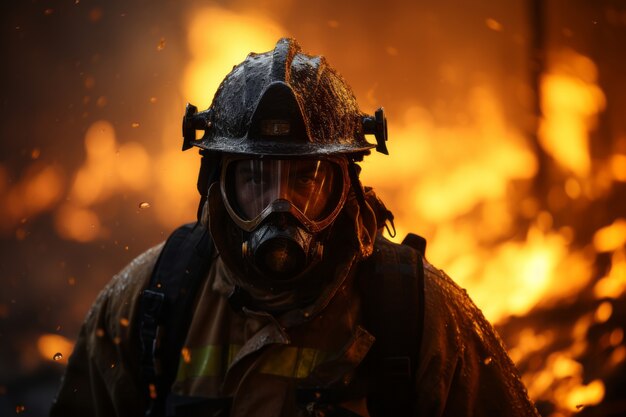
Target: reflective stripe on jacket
(259, 361)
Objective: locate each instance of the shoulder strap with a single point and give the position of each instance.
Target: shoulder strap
(166, 308)
(393, 306)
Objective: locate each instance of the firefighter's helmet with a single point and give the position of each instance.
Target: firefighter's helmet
(284, 103)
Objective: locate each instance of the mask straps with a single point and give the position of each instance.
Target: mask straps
(353, 172)
(210, 167)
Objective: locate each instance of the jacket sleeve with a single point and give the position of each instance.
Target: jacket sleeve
(83, 391)
(103, 377)
(464, 369)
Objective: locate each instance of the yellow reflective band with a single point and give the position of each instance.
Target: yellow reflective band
(286, 361)
(209, 360)
(292, 362)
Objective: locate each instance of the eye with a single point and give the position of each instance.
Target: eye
(305, 178)
(256, 178)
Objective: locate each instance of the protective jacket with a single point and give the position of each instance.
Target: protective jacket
(251, 363)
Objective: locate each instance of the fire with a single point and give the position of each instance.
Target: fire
(456, 184)
(611, 237)
(571, 101)
(217, 38)
(108, 169)
(465, 187)
(613, 284)
(39, 189)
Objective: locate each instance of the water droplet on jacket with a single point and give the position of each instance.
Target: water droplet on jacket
(144, 205)
(488, 360)
(57, 356)
(135, 125)
(161, 44)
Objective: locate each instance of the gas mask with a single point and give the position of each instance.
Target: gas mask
(284, 208)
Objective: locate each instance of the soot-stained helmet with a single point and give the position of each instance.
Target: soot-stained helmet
(284, 103)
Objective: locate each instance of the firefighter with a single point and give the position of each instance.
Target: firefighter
(284, 298)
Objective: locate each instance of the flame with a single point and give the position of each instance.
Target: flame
(560, 379)
(50, 345)
(217, 39)
(109, 168)
(464, 186)
(571, 101)
(613, 284)
(618, 167)
(611, 237)
(456, 183)
(40, 188)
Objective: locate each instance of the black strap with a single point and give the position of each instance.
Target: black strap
(166, 307)
(393, 306)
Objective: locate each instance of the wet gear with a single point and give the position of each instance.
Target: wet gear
(250, 363)
(283, 134)
(391, 363)
(268, 326)
(284, 103)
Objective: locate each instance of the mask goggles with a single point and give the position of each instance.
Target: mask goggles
(312, 190)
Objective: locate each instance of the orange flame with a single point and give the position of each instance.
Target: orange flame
(40, 188)
(571, 101)
(108, 169)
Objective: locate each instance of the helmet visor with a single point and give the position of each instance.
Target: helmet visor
(311, 189)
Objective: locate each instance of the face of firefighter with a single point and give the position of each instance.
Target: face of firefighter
(283, 205)
(307, 184)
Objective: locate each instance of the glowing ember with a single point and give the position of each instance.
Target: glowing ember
(54, 347)
(186, 354)
(494, 25)
(161, 44)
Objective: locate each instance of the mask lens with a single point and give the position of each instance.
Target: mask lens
(313, 187)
